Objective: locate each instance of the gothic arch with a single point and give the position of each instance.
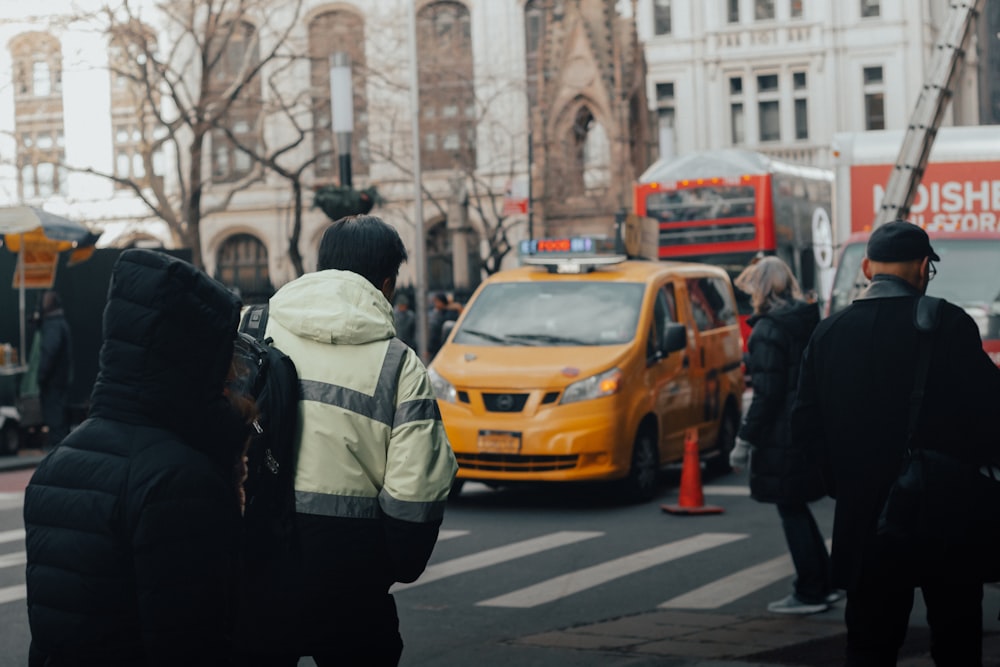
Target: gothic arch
(582, 141)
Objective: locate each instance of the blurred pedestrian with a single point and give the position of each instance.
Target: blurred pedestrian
(853, 410)
(132, 524)
(443, 309)
(55, 368)
(374, 464)
(780, 471)
(405, 321)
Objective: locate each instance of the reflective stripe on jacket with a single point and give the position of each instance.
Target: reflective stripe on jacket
(371, 440)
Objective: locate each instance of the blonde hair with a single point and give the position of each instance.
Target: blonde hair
(770, 284)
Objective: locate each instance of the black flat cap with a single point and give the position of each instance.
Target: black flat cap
(899, 241)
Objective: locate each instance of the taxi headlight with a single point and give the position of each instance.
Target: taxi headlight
(443, 390)
(596, 386)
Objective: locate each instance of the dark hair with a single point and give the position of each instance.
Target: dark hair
(51, 301)
(364, 244)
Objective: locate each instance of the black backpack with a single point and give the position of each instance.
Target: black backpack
(270, 487)
(270, 549)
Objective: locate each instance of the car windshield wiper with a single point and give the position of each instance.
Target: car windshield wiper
(502, 340)
(548, 338)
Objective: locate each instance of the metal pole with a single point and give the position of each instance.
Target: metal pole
(342, 111)
(531, 205)
(22, 356)
(419, 248)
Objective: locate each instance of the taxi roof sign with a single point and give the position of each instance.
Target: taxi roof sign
(571, 254)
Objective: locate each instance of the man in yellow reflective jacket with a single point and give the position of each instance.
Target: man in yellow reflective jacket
(374, 465)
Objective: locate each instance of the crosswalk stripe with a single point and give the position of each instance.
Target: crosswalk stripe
(735, 586)
(489, 557)
(449, 534)
(12, 535)
(13, 593)
(13, 559)
(11, 500)
(729, 589)
(725, 490)
(581, 580)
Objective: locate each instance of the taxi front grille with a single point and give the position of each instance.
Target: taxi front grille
(504, 402)
(516, 462)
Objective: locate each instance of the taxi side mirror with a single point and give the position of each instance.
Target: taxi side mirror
(674, 338)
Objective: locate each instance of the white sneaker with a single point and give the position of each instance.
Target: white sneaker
(793, 605)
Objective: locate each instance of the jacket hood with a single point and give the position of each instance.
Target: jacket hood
(798, 318)
(338, 307)
(168, 344)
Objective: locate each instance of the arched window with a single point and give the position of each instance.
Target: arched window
(585, 161)
(240, 55)
(448, 110)
(331, 32)
(242, 264)
(38, 115)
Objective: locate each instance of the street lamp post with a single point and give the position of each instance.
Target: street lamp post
(419, 247)
(342, 111)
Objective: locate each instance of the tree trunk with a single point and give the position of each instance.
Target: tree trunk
(192, 221)
(293, 241)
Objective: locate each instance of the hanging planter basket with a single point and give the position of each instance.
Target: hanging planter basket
(338, 201)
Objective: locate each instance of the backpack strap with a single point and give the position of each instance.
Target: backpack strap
(254, 321)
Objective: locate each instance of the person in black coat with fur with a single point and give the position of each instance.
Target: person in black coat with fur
(852, 409)
(780, 471)
(132, 523)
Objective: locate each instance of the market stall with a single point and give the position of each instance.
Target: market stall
(39, 238)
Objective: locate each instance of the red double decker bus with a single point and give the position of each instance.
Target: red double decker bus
(726, 207)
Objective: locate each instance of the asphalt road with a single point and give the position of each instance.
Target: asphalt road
(523, 576)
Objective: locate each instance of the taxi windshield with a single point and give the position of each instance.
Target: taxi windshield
(546, 314)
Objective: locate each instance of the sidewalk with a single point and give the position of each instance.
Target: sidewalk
(24, 459)
(764, 640)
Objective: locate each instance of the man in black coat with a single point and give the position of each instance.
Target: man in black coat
(55, 368)
(132, 523)
(857, 378)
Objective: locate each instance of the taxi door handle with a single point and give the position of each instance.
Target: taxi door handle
(686, 362)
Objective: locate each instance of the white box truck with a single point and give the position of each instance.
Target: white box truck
(957, 202)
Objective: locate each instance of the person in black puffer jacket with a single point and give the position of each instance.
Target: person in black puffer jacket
(132, 523)
(780, 471)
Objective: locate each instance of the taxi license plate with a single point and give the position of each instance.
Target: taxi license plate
(499, 442)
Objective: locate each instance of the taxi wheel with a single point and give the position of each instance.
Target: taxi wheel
(640, 485)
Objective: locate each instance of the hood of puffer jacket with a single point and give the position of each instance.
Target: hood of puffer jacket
(337, 307)
(798, 319)
(168, 344)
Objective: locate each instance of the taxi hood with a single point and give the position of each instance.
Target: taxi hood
(524, 367)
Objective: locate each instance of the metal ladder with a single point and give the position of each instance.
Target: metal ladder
(926, 116)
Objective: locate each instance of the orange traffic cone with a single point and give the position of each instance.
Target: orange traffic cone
(691, 500)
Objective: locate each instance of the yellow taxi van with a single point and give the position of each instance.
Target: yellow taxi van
(585, 365)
